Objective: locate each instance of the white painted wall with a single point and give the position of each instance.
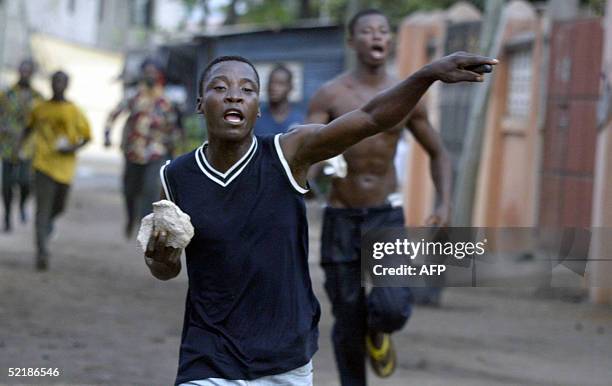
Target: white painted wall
(53, 17)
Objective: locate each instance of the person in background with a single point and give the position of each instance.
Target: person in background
(60, 129)
(279, 114)
(15, 106)
(150, 136)
(363, 196)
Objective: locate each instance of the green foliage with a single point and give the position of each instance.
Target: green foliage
(287, 12)
(395, 10)
(195, 133)
(275, 12)
(281, 12)
(598, 7)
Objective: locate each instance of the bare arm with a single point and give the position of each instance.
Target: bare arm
(163, 262)
(318, 108)
(108, 127)
(84, 130)
(318, 113)
(309, 144)
(22, 137)
(2, 112)
(439, 164)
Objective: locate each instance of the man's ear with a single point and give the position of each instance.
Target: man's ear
(199, 109)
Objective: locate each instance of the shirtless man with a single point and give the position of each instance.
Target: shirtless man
(359, 201)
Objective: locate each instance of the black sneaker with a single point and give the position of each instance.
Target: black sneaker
(382, 354)
(42, 262)
(23, 215)
(7, 224)
(129, 230)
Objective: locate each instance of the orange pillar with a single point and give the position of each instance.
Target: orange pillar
(418, 191)
(506, 189)
(415, 37)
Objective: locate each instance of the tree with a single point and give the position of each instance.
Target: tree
(193, 4)
(305, 10)
(469, 164)
(231, 16)
(279, 12)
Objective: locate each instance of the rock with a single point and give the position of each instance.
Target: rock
(170, 218)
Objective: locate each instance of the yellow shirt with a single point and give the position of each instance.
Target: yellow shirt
(54, 123)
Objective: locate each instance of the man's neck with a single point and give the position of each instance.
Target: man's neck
(370, 75)
(154, 91)
(222, 155)
(23, 84)
(279, 110)
(58, 98)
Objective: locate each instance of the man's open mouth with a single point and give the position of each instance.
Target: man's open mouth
(233, 116)
(377, 51)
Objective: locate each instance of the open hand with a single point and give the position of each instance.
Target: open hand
(439, 218)
(461, 67)
(68, 149)
(107, 140)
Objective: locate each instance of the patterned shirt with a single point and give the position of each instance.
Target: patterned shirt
(151, 130)
(15, 106)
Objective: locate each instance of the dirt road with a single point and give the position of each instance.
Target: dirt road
(100, 318)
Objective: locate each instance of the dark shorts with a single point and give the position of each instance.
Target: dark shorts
(342, 230)
(384, 308)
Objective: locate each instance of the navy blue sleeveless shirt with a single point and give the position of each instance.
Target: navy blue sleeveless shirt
(250, 309)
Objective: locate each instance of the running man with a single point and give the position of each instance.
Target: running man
(279, 114)
(362, 199)
(60, 129)
(150, 136)
(15, 106)
(250, 312)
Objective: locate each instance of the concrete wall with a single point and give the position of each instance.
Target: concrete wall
(55, 18)
(93, 84)
(101, 23)
(600, 272)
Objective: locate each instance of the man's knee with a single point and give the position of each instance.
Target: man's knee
(389, 308)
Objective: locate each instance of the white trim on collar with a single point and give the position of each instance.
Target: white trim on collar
(224, 179)
(229, 171)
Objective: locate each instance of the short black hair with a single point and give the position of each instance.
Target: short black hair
(283, 68)
(60, 73)
(360, 14)
(28, 62)
(221, 59)
(151, 61)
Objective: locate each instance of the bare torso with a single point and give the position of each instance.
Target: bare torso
(371, 175)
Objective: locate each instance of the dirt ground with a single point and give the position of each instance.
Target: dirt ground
(100, 318)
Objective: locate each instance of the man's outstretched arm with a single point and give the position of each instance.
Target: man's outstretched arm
(312, 143)
(110, 121)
